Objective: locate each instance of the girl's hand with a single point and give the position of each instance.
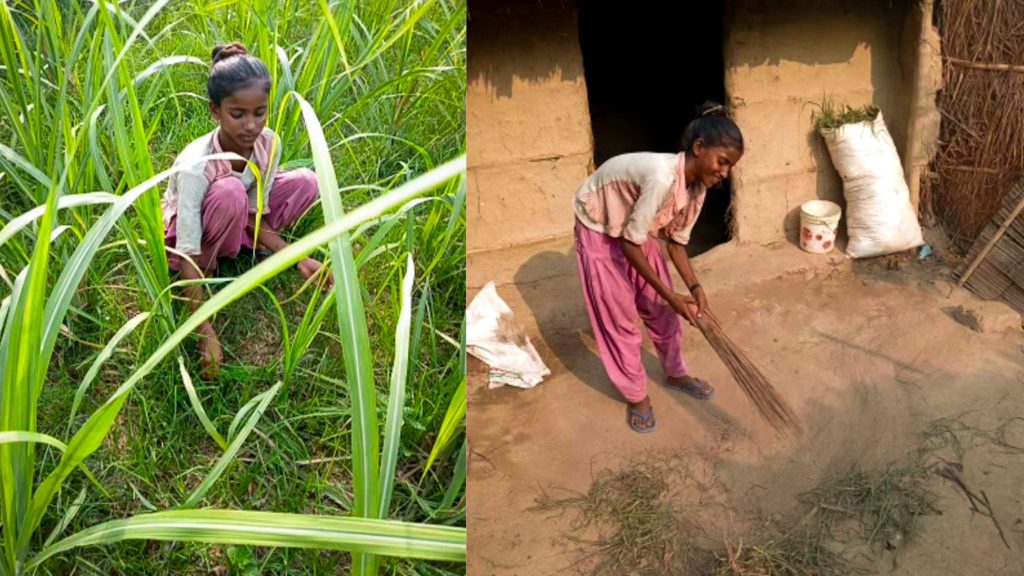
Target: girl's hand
(210, 354)
(702, 304)
(685, 306)
(309, 268)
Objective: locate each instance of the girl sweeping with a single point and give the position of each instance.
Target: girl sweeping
(210, 208)
(622, 210)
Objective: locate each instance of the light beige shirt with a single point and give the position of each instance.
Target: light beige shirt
(641, 194)
(183, 201)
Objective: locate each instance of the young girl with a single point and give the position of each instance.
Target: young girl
(621, 210)
(210, 208)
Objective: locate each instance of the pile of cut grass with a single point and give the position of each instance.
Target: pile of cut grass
(884, 507)
(636, 529)
(888, 505)
(830, 115)
(800, 554)
(629, 522)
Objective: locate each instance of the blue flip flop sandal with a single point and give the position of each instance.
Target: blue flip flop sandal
(646, 425)
(694, 390)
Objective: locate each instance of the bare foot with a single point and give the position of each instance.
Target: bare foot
(210, 354)
(309, 268)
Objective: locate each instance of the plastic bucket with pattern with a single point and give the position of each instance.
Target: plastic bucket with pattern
(819, 220)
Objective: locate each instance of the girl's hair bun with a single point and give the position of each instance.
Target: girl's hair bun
(224, 51)
(233, 68)
(710, 108)
(712, 126)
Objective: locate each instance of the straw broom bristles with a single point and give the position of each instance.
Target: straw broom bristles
(752, 381)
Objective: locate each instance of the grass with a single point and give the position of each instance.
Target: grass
(799, 554)
(887, 505)
(830, 115)
(632, 521)
(635, 527)
(349, 405)
(880, 509)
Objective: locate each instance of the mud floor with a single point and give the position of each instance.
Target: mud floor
(868, 357)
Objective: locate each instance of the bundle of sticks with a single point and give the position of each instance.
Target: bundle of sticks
(772, 408)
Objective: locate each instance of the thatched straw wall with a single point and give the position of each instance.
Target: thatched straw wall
(982, 105)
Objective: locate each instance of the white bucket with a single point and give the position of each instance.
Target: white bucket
(819, 220)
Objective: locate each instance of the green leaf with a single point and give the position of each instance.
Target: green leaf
(368, 536)
(18, 224)
(14, 436)
(228, 457)
(197, 406)
(396, 398)
(354, 337)
(453, 420)
(102, 357)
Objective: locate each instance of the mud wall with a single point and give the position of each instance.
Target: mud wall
(528, 130)
(781, 59)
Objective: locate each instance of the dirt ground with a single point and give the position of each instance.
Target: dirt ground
(867, 356)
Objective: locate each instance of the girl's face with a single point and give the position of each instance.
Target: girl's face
(242, 116)
(714, 163)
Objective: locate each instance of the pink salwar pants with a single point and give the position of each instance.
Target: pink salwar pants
(617, 298)
(226, 213)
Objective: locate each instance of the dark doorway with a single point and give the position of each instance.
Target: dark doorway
(647, 66)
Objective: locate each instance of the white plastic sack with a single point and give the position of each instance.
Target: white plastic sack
(493, 336)
(879, 216)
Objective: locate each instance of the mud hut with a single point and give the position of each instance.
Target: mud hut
(557, 87)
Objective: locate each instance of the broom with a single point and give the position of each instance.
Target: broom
(755, 385)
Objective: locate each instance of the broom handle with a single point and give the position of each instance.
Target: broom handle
(995, 238)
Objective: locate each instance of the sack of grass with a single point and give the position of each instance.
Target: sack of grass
(879, 216)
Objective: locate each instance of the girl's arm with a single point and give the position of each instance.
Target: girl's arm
(635, 256)
(681, 260)
(268, 237)
(271, 240)
(677, 252)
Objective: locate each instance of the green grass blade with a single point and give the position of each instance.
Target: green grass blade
(67, 518)
(282, 57)
(197, 406)
(396, 399)
(457, 482)
(307, 329)
(97, 151)
(16, 436)
(163, 64)
(102, 357)
(354, 337)
(18, 160)
(25, 219)
(8, 493)
(5, 307)
(370, 247)
(236, 444)
(384, 537)
(23, 377)
(453, 420)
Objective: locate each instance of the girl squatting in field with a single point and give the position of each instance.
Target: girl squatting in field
(622, 210)
(210, 207)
